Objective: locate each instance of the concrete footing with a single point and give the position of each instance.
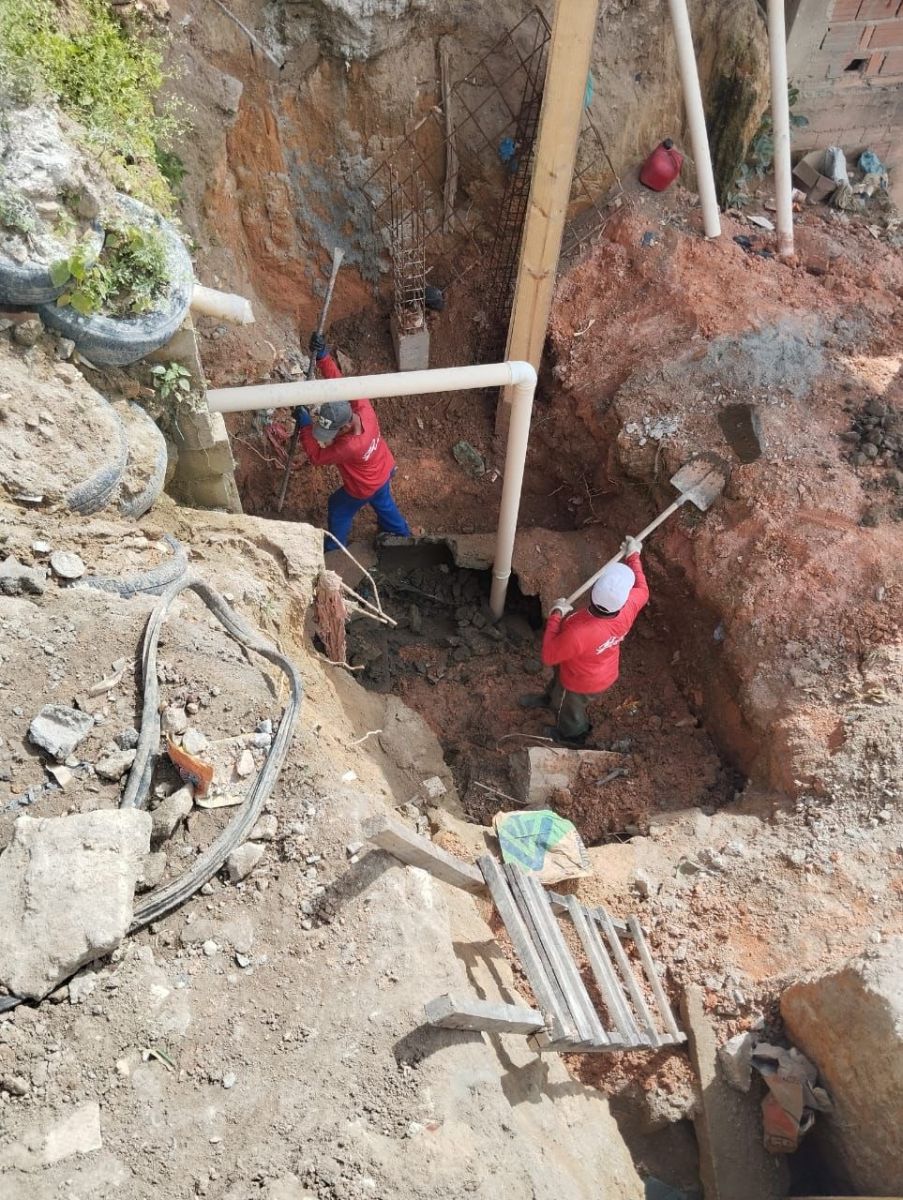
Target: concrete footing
(412, 350)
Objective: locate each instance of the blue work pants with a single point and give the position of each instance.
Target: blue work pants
(343, 508)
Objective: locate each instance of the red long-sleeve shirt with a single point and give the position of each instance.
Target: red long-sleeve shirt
(363, 459)
(587, 649)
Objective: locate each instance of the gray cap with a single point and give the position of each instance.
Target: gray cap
(328, 419)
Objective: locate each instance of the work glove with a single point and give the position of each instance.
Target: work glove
(317, 345)
(562, 606)
(302, 417)
(631, 545)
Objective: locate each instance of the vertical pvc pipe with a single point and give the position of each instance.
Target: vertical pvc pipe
(780, 117)
(524, 376)
(699, 138)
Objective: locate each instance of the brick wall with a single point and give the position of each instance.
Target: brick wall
(846, 58)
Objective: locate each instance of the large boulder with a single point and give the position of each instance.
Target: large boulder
(66, 893)
(850, 1023)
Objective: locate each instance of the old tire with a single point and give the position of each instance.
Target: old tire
(27, 284)
(97, 492)
(119, 341)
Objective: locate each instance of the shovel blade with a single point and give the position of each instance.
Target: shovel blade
(701, 481)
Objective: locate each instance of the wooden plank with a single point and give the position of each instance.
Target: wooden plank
(559, 904)
(654, 982)
(416, 851)
(579, 1002)
(450, 190)
(604, 974)
(558, 1019)
(636, 992)
(570, 51)
(450, 1012)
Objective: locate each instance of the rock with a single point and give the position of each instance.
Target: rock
(850, 1023)
(82, 986)
(114, 766)
(58, 729)
(152, 870)
(469, 458)
(18, 580)
(193, 741)
(245, 765)
(64, 348)
(735, 1059)
(262, 741)
(169, 812)
(265, 726)
(265, 830)
(27, 332)
(16, 1085)
(354, 848)
(79, 1133)
(242, 861)
(434, 787)
(210, 947)
(229, 1080)
(644, 885)
(66, 565)
(66, 891)
(174, 719)
(127, 739)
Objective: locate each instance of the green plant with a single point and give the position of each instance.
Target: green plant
(101, 76)
(171, 168)
(127, 277)
(17, 211)
(171, 381)
(760, 157)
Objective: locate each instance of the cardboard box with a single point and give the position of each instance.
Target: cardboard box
(807, 171)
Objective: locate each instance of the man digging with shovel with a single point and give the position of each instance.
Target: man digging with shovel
(585, 647)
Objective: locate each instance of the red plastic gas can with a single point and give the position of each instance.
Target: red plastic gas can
(662, 166)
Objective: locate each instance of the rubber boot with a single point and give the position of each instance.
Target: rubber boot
(575, 743)
(534, 700)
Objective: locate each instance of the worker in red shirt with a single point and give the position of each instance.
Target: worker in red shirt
(585, 648)
(347, 436)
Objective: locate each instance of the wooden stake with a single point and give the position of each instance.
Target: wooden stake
(556, 150)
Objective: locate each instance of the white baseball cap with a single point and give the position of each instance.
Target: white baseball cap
(611, 589)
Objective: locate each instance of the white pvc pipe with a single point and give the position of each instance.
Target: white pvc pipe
(780, 117)
(225, 306)
(699, 138)
(519, 376)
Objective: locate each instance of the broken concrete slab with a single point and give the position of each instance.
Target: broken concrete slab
(66, 891)
(58, 729)
(541, 771)
(734, 1164)
(114, 766)
(850, 1023)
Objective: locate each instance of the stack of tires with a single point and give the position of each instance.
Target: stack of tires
(107, 341)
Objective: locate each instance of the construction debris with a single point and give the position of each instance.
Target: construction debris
(788, 1111)
(66, 889)
(243, 859)
(58, 729)
(19, 580)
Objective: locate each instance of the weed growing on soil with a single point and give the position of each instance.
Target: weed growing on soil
(128, 277)
(170, 380)
(100, 76)
(17, 211)
(174, 394)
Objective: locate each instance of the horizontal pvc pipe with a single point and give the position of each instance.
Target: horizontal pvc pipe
(519, 376)
(699, 138)
(226, 306)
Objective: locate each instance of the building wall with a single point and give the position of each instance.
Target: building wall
(846, 57)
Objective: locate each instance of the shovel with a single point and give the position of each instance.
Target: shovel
(700, 481)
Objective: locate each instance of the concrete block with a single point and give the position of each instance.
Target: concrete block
(842, 37)
(541, 771)
(892, 63)
(200, 464)
(412, 350)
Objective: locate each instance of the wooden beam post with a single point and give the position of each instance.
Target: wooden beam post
(450, 1012)
(570, 53)
(409, 847)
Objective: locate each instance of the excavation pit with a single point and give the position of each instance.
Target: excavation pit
(464, 675)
